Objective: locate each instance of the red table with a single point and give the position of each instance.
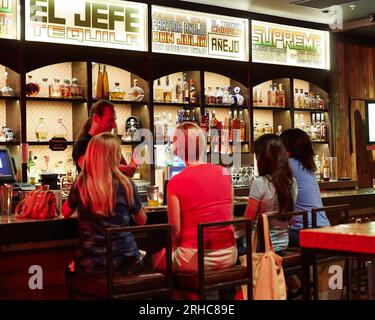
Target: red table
(344, 240)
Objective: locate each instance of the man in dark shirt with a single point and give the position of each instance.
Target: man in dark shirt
(102, 119)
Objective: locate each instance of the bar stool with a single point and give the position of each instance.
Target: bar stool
(207, 280)
(338, 214)
(292, 257)
(136, 286)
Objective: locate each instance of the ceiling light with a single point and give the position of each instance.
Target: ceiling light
(352, 6)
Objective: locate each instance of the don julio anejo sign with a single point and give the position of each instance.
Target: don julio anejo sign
(8, 19)
(99, 23)
(287, 45)
(176, 31)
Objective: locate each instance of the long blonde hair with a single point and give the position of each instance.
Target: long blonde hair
(100, 174)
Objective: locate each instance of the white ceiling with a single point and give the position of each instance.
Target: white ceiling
(283, 8)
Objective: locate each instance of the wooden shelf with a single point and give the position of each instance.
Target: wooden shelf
(271, 108)
(9, 143)
(225, 106)
(231, 143)
(123, 102)
(310, 110)
(45, 143)
(172, 104)
(9, 98)
(320, 142)
(82, 100)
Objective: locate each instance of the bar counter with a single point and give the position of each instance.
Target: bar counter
(51, 244)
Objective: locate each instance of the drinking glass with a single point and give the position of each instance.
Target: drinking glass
(153, 196)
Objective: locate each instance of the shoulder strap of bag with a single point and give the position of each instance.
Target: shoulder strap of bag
(267, 235)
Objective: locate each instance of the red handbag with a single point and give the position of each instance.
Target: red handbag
(39, 204)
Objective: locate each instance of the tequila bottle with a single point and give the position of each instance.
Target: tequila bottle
(65, 88)
(7, 91)
(76, 89)
(192, 93)
(323, 128)
(178, 91)
(41, 131)
(280, 98)
(32, 87)
(158, 92)
(116, 93)
(136, 93)
(319, 101)
(167, 91)
(54, 88)
(60, 131)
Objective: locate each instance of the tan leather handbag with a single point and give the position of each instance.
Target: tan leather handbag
(268, 274)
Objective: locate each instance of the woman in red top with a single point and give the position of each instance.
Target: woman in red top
(201, 193)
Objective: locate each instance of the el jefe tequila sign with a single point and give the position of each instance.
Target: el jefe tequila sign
(8, 19)
(176, 31)
(287, 45)
(110, 24)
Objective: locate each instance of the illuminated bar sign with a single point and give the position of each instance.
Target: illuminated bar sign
(182, 32)
(8, 19)
(287, 45)
(110, 24)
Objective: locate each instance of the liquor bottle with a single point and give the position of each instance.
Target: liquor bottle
(314, 132)
(226, 96)
(302, 122)
(7, 91)
(60, 131)
(116, 93)
(205, 122)
(164, 125)
(325, 169)
(105, 83)
(65, 88)
(279, 130)
(32, 87)
(323, 128)
(296, 95)
(318, 128)
(136, 93)
(280, 96)
(169, 155)
(256, 130)
(211, 99)
(54, 88)
(158, 92)
(178, 91)
(228, 126)
(306, 100)
(260, 97)
(240, 100)
(185, 91)
(159, 130)
(255, 96)
(219, 95)
(41, 131)
(44, 89)
(236, 128)
(313, 101)
(170, 126)
(75, 89)
(301, 99)
(99, 84)
(168, 91)
(31, 169)
(66, 184)
(318, 172)
(319, 101)
(192, 93)
(267, 128)
(242, 127)
(269, 95)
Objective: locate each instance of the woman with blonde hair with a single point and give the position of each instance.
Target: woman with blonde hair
(104, 197)
(201, 193)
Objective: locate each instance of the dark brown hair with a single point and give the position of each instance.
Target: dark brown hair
(97, 108)
(272, 161)
(298, 144)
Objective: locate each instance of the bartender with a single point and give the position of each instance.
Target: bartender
(102, 119)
